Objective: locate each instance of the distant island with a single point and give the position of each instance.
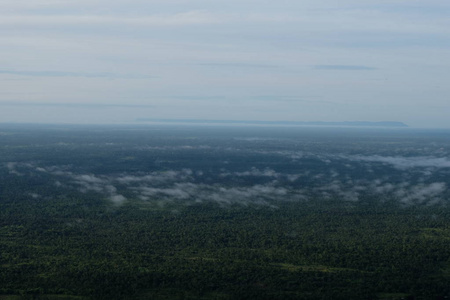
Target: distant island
(295, 123)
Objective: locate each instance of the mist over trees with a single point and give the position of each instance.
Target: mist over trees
(169, 212)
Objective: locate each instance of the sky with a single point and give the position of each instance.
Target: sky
(97, 61)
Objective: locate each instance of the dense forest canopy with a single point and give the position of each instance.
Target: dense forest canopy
(171, 212)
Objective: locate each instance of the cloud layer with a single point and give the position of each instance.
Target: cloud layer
(406, 162)
(371, 60)
(410, 181)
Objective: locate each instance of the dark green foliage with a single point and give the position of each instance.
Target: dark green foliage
(296, 251)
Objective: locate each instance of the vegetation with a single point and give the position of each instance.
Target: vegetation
(58, 242)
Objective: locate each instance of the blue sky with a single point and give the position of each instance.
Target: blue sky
(79, 61)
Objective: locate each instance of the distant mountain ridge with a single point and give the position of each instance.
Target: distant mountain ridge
(298, 123)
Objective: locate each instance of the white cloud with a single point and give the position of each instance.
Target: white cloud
(422, 193)
(118, 199)
(156, 177)
(12, 168)
(405, 162)
(257, 194)
(88, 179)
(35, 195)
(183, 187)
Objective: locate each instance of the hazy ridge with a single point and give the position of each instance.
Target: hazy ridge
(297, 123)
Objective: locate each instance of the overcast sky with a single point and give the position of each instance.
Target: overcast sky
(93, 61)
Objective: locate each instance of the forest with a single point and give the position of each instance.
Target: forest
(171, 212)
